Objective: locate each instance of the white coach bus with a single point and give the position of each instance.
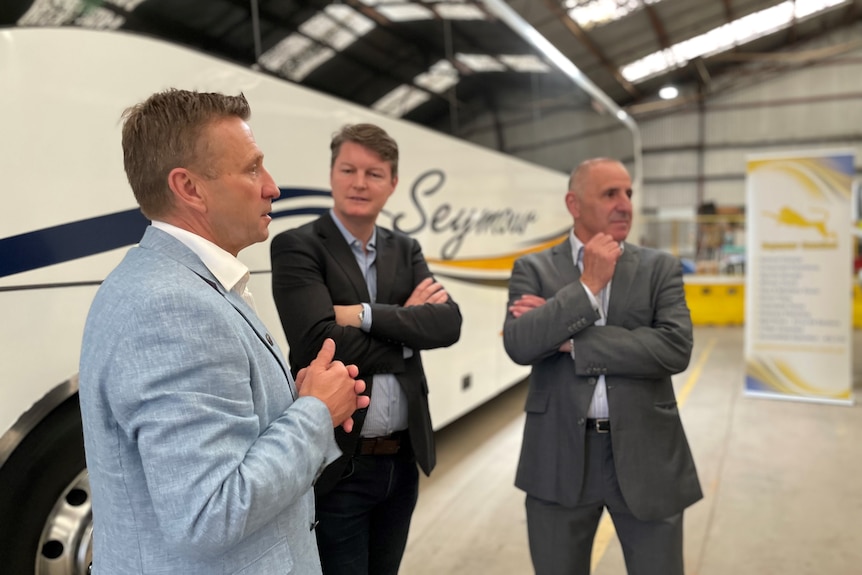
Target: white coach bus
(67, 216)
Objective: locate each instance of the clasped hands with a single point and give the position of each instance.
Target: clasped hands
(335, 384)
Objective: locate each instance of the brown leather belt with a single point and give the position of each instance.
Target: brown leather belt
(385, 445)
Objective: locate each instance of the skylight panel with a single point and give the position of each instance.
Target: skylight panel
(127, 5)
(648, 66)
(298, 55)
(439, 78)
(457, 11)
(401, 100)
(50, 13)
(404, 12)
(727, 36)
(758, 24)
(295, 57)
(290, 48)
(59, 12)
(480, 62)
(322, 28)
(712, 42)
(100, 19)
(591, 13)
(337, 26)
(524, 63)
(312, 58)
(350, 19)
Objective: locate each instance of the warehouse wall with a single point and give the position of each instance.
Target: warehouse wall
(696, 152)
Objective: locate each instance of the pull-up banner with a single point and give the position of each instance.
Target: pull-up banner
(798, 315)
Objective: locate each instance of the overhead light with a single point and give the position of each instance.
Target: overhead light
(668, 92)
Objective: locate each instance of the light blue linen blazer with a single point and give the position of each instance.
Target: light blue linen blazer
(201, 460)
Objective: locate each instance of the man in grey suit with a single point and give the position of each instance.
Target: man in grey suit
(604, 325)
(202, 449)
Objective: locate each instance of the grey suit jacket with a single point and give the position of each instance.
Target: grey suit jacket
(648, 338)
(201, 461)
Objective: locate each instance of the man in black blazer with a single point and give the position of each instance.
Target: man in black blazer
(369, 289)
(604, 325)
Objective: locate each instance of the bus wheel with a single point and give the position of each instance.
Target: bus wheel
(45, 500)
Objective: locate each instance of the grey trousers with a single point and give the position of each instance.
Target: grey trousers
(561, 538)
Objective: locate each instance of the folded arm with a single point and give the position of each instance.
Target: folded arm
(538, 326)
(660, 347)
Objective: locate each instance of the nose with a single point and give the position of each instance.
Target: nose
(359, 179)
(270, 189)
(624, 204)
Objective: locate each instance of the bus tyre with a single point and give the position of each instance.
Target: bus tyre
(46, 526)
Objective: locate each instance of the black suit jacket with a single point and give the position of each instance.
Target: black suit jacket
(314, 269)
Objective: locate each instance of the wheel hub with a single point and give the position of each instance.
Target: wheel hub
(66, 544)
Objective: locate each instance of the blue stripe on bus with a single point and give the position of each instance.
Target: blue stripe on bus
(58, 244)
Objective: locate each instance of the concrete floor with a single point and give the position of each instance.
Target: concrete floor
(782, 482)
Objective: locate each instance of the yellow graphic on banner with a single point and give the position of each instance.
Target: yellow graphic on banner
(778, 375)
(790, 217)
(817, 176)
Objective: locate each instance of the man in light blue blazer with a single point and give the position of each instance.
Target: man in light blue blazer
(604, 325)
(202, 449)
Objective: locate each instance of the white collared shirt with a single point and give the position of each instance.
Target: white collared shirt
(387, 412)
(599, 403)
(231, 273)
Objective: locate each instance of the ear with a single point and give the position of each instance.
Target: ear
(187, 190)
(573, 203)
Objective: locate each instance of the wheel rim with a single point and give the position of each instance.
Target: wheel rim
(66, 544)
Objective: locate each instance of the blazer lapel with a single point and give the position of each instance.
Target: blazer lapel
(564, 262)
(165, 243)
(334, 243)
(621, 285)
(385, 263)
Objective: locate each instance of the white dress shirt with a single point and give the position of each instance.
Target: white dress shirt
(231, 273)
(599, 403)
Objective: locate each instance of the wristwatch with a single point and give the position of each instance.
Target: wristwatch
(361, 315)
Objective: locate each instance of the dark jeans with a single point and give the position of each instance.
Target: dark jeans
(364, 520)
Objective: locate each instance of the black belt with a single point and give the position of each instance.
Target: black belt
(384, 445)
(599, 425)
